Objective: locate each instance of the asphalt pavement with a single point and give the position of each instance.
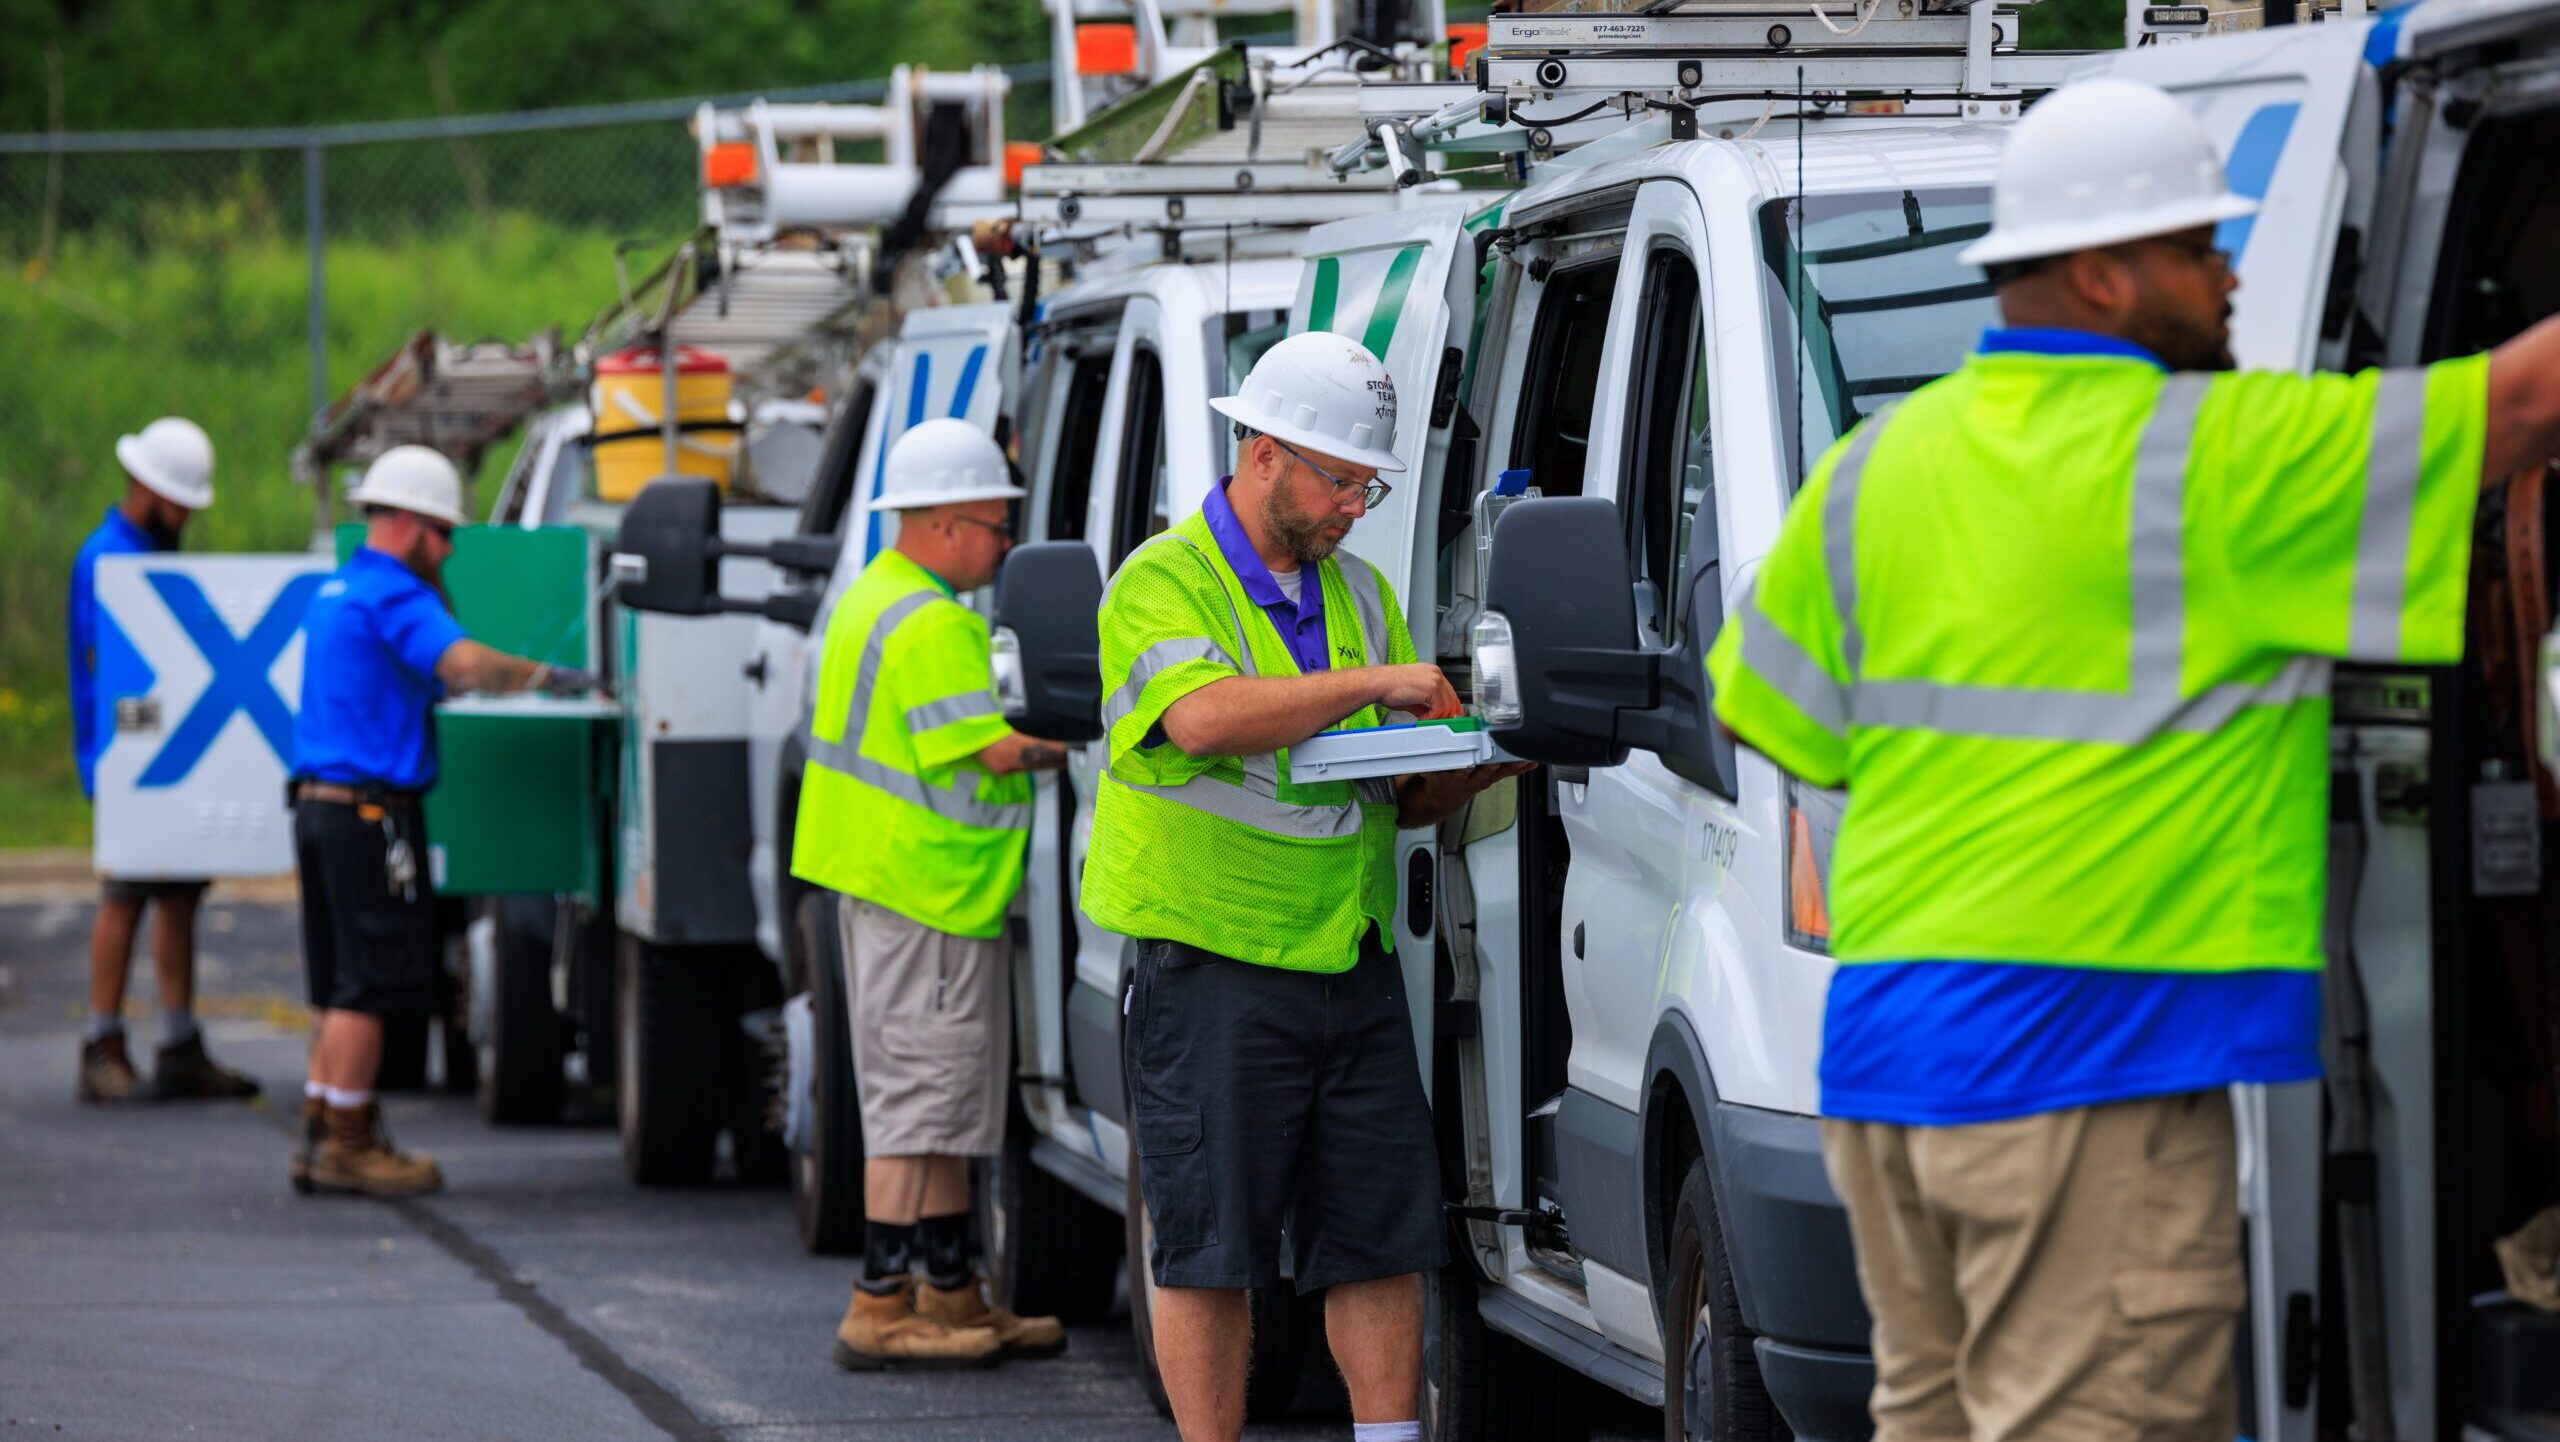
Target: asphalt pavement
(158, 1278)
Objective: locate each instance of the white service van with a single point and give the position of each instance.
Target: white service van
(1625, 953)
(2410, 211)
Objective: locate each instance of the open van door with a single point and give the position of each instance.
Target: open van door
(959, 361)
(2297, 115)
(1403, 284)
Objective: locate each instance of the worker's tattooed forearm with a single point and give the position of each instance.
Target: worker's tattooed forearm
(1037, 757)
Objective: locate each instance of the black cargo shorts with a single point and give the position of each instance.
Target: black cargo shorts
(367, 946)
(1266, 1101)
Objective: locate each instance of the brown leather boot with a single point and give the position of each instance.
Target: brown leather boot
(106, 1072)
(307, 1136)
(880, 1332)
(358, 1157)
(182, 1072)
(974, 1305)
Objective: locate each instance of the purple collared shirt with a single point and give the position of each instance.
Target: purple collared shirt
(1299, 622)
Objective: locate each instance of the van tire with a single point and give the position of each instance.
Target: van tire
(1481, 1386)
(520, 1059)
(826, 1166)
(1709, 1365)
(1051, 1252)
(667, 1021)
(1280, 1327)
(751, 1064)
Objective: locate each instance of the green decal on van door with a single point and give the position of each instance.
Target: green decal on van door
(1328, 284)
(1390, 306)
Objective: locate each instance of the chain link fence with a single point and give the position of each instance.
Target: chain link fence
(242, 278)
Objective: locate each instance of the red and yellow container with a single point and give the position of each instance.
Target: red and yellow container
(629, 397)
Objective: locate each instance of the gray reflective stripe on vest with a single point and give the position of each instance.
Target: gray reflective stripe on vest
(2156, 567)
(1774, 657)
(1361, 580)
(2390, 499)
(1840, 536)
(951, 803)
(2156, 551)
(963, 707)
(1162, 656)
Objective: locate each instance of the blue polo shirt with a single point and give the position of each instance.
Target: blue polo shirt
(1299, 622)
(371, 640)
(90, 630)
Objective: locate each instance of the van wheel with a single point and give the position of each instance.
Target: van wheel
(523, 1038)
(1711, 1388)
(667, 1021)
(1280, 1326)
(1050, 1251)
(826, 1161)
(1481, 1386)
(751, 1059)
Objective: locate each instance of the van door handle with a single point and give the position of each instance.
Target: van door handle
(755, 670)
(1577, 941)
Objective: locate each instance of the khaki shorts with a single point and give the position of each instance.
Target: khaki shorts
(932, 1034)
(2068, 1277)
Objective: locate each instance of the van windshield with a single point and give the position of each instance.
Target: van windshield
(1865, 291)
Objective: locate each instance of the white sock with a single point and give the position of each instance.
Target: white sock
(347, 1101)
(313, 1091)
(1386, 1431)
(177, 1026)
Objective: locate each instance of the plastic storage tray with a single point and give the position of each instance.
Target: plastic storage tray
(1405, 750)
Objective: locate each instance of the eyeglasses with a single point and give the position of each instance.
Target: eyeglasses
(2205, 253)
(442, 531)
(1004, 531)
(1370, 492)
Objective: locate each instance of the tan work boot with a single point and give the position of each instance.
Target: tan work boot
(884, 1332)
(307, 1136)
(106, 1072)
(357, 1156)
(974, 1305)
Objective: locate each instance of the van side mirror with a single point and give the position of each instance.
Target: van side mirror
(663, 558)
(1557, 659)
(666, 558)
(1048, 646)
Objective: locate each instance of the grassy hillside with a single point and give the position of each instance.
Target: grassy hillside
(208, 322)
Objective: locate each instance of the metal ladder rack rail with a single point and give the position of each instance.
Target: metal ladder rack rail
(1547, 83)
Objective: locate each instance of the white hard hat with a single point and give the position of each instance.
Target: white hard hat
(2100, 163)
(174, 457)
(1324, 393)
(943, 463)
(413, 479)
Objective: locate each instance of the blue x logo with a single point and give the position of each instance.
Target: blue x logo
(240, 665)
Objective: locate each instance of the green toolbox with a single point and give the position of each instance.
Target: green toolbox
(518, 801)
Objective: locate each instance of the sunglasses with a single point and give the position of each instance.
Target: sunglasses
(1370, 492)
(1003, 530)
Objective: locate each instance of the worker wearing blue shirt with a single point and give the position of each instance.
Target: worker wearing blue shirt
(168, 470)
(380, 645)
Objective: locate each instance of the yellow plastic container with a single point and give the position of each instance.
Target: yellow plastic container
(629, 397)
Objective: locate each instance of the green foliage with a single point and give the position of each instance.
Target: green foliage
(209, 324)
(169, 64)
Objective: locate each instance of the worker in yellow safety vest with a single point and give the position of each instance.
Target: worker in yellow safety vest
(1268, 1044)
(2061, 625)
(915, 807)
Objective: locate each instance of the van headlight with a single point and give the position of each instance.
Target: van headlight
(1004, 659)
(1497, 672)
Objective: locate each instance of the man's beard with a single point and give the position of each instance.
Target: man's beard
(1305, 537)
(2190, 348)
(423, 564)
